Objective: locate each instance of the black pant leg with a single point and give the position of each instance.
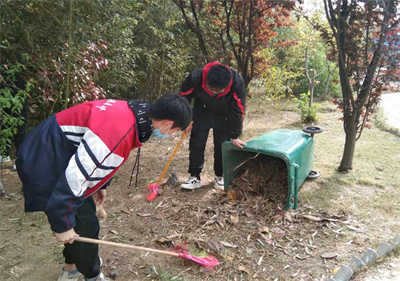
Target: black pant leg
(85, 255)
(197, 145)
(220, 135)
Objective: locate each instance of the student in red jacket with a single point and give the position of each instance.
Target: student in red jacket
(66, 162)
(219, 99)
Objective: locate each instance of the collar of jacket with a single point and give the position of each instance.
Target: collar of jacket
(144, 125)
(204, 80)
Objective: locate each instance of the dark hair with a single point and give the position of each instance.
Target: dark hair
(219, 76)
(172, 107)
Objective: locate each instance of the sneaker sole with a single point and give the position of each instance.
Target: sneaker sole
(191, 188)
(218, 187)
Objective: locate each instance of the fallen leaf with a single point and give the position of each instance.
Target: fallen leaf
(288, 216)
(229, 258)
(295, 274)
(263, 229)
(176, 209)
(231, 194)
(234, 219)
(143, 215)
(161, 240)
(227, 244)
(170, 237)
(248, 214)
(277, 217)
(353, 228)
(260, 260)
(243, 269)
(223, 200)
(312, 218)
(301, 258)
(329, 255)
(249, 251)
(277, 232)
(213, 245)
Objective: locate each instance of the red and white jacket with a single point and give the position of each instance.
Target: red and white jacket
(72, 154)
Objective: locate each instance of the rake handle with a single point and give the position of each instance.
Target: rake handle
(172, 156)
(121, 245)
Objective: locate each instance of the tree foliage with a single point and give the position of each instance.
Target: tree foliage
(164, 49)
(235, 32)
(83, 50)
(64, 40)
(13, 93)
(362, 33)
(316, 64)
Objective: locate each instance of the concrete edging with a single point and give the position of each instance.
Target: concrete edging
(370, 256)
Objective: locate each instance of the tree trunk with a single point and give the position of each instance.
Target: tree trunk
(328, 80)
(349, 145)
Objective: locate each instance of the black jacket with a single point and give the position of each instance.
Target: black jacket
(229, 104)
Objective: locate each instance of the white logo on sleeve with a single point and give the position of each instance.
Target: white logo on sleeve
(105, 104)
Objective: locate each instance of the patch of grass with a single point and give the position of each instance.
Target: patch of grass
(161, 274)
(367, 189)
(194, 251)
(374, 180)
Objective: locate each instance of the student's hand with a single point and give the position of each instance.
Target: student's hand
(238, 143)
(99, 196)
(66, 237)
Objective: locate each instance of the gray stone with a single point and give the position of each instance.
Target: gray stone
(384, 249)
(369, 256)
(396, 242)
(344, 274)
(356, 264)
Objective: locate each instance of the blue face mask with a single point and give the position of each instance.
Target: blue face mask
(158, 135)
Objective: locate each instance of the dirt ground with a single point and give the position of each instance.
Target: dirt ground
(249, 232)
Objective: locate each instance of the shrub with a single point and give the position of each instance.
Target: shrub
(308, 113)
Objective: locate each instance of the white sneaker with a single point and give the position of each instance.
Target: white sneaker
(219, 183)
(14, 167)
(5, 159)
(68, 276)
(101, 277)
(192, 183)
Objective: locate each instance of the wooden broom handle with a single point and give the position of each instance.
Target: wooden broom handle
(113, 244)
(172, 156)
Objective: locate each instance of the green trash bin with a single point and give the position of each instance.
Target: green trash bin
(295, 148)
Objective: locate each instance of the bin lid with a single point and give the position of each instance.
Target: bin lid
(285, 143)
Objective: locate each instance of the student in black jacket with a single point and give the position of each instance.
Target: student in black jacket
(219, 99)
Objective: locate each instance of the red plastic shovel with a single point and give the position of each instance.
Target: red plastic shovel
(209, 261)
(153, 187)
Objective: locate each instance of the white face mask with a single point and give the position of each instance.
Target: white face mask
(158, 135)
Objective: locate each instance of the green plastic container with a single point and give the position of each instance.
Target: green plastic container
(295, 148)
